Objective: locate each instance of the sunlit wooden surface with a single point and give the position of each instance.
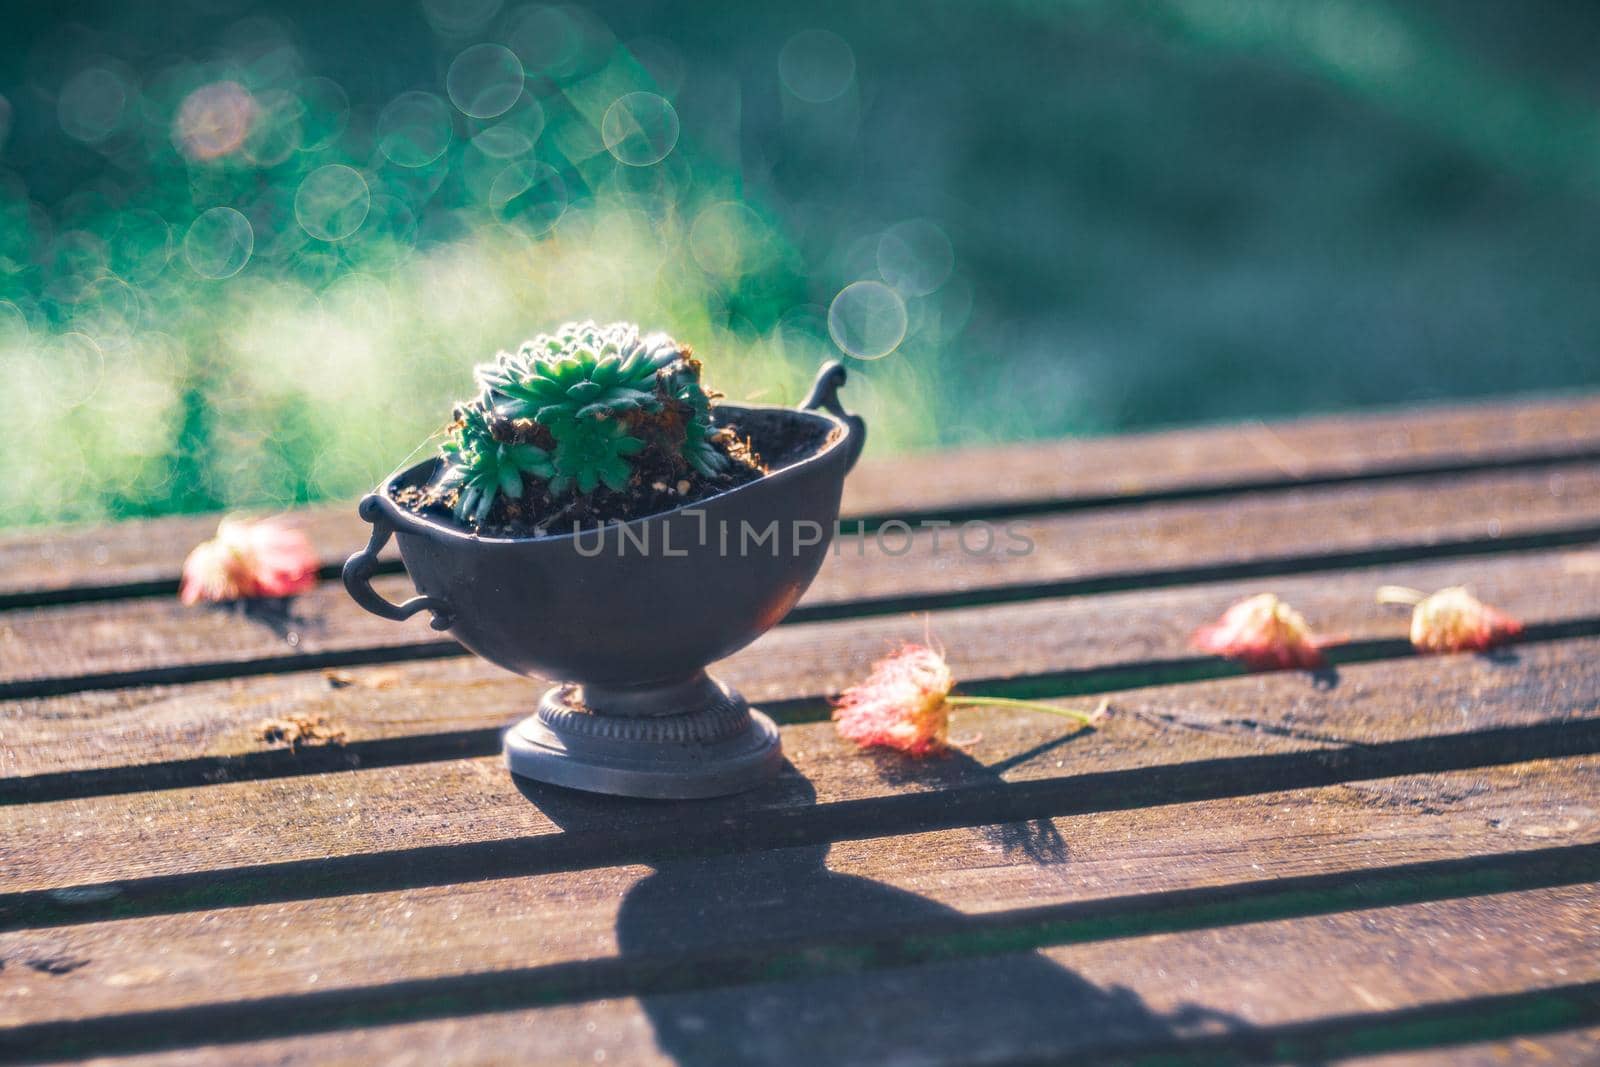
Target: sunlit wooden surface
(1396, 858)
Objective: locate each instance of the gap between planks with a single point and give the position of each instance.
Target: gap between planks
(141, 558)
(1549, 1024)
(1557, 1044)
(71, 649)
(155, 738)
(1482, 700)
(460, 821)
(924, 897)
(1479, 1005)
(1270, 975)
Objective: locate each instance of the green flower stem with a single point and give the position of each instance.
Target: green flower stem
(1025, 705)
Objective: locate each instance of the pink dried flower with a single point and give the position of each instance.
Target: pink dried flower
(249, 559)
(905, 704)
(902, 704)
(1452, 620)
(1265, 634)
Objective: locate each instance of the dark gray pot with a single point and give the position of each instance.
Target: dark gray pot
(630, 615)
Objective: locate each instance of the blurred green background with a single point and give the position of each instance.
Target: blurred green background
(249, 252)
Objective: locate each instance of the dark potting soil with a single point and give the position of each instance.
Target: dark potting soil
(756, 442)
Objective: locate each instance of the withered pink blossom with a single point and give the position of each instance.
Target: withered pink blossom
(248, 559)
(902, 704)
(1263, 633)
(1453, 620)
(905, 704)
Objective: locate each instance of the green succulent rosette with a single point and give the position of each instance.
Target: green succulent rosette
(600, 397)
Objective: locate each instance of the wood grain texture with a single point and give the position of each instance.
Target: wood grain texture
(1300, 990)
(141, 641)
(192, 734)
(457, 821)
(971, 890)
(1580, 1046)
(1391, 854)
(144, 556)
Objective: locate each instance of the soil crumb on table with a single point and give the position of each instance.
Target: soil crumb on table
(298, 730)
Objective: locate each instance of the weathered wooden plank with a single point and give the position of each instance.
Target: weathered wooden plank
(433, 1043)
(1303, 730)
(983, 890)
(1302, 990)
(462, 820)
(1327, 746)
(1228, 458)
(118, 643)
(60, 564)
(156, 737)
(1562, 1047)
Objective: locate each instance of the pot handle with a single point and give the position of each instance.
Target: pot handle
(359, 568)
(825, 395)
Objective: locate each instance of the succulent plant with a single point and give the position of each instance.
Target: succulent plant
(699, 448)
(482, 468)
(590, 452)
(580, 409)
(583, 371)
(700, 451)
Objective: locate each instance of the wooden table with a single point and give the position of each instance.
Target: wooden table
(1393, 861)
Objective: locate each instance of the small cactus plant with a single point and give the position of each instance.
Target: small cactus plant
(585, 409)
(480, 468)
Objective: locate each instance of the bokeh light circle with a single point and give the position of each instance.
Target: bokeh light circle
(548, 40)
(514, 133)
(140, 245)
(275, 133)
(729, 240)
(78, 364)
(484, 80)
(332, 202)
(640, 129)
(867, 320)
(530, 194)
(414, 129)
(457, 17)
(14, 329)
(387, 237)
(219, 243)
(816, 66)
(503, 141)
(214, 120)
(110, 311)
(278, 234)
(317, 265)
(75, 259)
(91, 104)
(915, 257)
(326, 110)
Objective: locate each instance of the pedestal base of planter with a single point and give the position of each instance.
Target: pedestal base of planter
(673, 742)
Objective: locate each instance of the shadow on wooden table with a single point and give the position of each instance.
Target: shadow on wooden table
(769, 956)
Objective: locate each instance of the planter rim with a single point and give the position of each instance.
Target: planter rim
(407, 521)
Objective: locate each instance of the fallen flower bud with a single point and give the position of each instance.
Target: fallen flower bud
(901, 705)
(1452, 620)
(905, 704)
(1263, 633)
(249, 559)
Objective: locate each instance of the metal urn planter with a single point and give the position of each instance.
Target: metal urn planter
(629, 615)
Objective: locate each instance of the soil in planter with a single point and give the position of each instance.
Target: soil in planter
(659, 483)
